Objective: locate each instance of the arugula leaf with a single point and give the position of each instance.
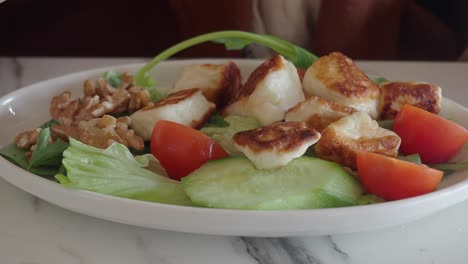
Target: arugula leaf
(113, 78)
(47, 154)
(232, 39)
(216, 120)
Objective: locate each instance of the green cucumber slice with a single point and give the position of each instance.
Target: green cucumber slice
(306, 182)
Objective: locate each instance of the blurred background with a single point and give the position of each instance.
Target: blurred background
(362, 29)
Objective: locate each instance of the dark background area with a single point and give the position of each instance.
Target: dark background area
(121, 28)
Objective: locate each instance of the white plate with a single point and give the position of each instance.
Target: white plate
(28, 107)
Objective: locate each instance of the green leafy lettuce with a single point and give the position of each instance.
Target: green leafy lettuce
(115, 171)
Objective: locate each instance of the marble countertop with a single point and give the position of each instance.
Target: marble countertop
(35, 232)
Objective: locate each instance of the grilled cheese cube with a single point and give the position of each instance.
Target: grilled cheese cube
(318, 113)
(270, 91)
(188, 107)
(342, 139)
(217, 81)
(275, 145)
(394, 95)
(335, 77)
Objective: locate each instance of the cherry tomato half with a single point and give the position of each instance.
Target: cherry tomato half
(181, 149)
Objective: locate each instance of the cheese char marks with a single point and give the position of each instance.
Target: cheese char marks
(342, 139)
(275, 145)
(218, 82)
(187, 107)
(318, 112)
(396, 94)
(269, 92)
(335, 77)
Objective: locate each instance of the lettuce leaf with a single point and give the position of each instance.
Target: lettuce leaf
(223, 134)
(114, 171)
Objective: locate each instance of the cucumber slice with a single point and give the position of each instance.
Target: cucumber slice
(234, 183)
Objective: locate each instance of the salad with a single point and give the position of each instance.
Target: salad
(301, 132)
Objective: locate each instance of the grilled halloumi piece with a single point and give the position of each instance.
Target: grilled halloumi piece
(275, 145)
(217, 81)
(187, 107)
(394, 95)
(335, 77)
(318, 113)
(342, 139)
(270, 91)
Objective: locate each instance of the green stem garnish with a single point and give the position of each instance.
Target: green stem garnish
(233, 40)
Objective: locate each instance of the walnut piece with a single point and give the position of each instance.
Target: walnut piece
(100, 98)
(101, 132)
(88, 120)
(27, 139)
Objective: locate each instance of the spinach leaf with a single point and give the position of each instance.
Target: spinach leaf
(15, 155)
(232, 39)
(47, 154)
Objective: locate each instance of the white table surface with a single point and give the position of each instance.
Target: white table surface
(35, 232)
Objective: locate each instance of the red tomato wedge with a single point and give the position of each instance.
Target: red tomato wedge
(434, 138)
(181, 149)
(394, 179)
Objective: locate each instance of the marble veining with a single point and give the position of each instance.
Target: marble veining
(33, 231)
(279, 250)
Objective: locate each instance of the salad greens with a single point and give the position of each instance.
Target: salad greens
(223, 134)
(47, 154)
(114, 78)
(216, 120)
(233, 40)
(115, 171)
(45, 161)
